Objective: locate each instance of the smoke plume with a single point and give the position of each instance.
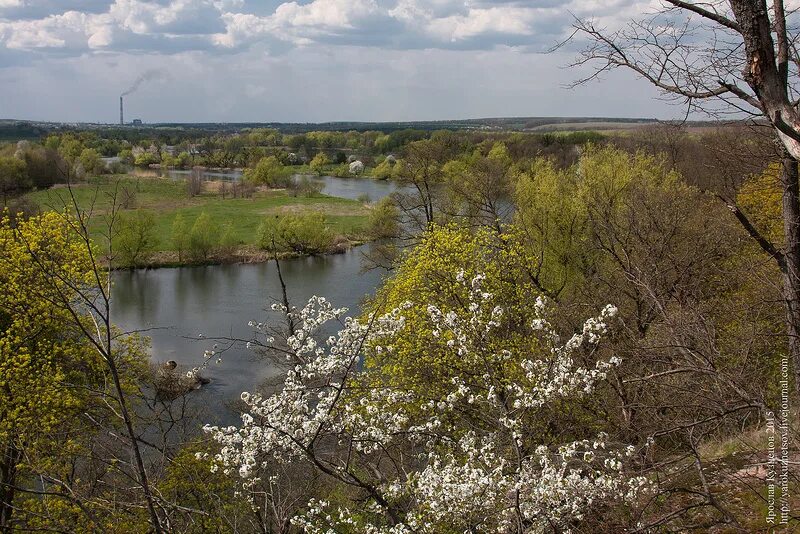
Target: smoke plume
(147, 76)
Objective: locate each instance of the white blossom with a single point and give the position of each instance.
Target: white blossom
(487, 478)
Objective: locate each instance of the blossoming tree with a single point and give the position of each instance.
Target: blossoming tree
(461, 461)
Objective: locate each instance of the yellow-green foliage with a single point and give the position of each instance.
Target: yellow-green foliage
(760, 198)
(560, 211)
(305, 233)
(428, 275)
(42, 260)
(383, 219)
(553, 218)
(385, 170)
(319, 161)
(50, 374)
(203, 237)
(191, 482)
(135, 239)
(268, 171)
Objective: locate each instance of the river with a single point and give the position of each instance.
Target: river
(174, 306)
(352, 188)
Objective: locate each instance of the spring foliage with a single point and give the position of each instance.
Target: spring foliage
(460, 458)
(304, 233)
(39, 350)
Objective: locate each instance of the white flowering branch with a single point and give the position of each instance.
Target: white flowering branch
(466, 458)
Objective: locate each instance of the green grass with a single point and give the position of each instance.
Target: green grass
(167, 198)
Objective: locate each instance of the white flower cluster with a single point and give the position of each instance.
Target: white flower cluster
(467, 458)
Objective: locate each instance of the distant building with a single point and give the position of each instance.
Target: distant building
(137, 122)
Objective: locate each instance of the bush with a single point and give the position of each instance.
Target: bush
(45, 167)
(356, 168)
(183, 160)
(227, 240)
(203, 238)
(306, 233)
(270, 172)
(117, 167)
(135, 237)
(384, 220)
(180, 236)
(384, 170)
(91, 162)
(145, 158)
(13, 176)
(319, 162)
(126, 156)
(342, 171)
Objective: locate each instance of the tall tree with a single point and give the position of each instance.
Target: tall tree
(724, 57)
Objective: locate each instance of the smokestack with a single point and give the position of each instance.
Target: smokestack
(121, 116)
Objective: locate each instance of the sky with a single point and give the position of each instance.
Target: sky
(307, 61)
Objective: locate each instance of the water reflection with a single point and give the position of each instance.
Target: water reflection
(352, 188)
(180, 304)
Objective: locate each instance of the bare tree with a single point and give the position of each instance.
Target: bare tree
(724, 57)
(88, 303)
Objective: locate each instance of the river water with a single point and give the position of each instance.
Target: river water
(352, 188)
(177, 305)
(174, 306)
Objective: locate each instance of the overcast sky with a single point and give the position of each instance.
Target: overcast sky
(306, 61)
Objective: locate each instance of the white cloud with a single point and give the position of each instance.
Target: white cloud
(202, 24)
(500, 20)
(266, 59)
(176, 17)
(353, 83)
(321, 14)
(300, 24)
(241, 27)
(56, 31)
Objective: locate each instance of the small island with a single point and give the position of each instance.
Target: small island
(168, 222)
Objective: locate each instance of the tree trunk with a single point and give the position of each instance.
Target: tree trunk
(8, 480)
(791, 273)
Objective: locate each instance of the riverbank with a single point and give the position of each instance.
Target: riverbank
(241, 256)
(161, 201)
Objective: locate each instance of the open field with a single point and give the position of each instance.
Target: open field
(168, 198)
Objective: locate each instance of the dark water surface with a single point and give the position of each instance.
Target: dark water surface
(218, 301)
(174, 306)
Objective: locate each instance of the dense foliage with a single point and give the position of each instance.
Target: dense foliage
(470, 395)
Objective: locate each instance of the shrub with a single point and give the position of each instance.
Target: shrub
(228, 241)
(145, 158)
(135, 237)
(91, 162)
(270, 172)
(384, 220)
(341, 171)
(320, 161)
(306, 233)
(126, 156)
(383, 171)
(180, 236)
(183, 160)
(356, 168)
(13, 176)
(203, 238)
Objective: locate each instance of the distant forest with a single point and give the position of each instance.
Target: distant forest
(14, 130)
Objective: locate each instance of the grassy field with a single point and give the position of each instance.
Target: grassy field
(167, 198)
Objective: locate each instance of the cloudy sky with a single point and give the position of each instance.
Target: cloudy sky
(306, 60)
